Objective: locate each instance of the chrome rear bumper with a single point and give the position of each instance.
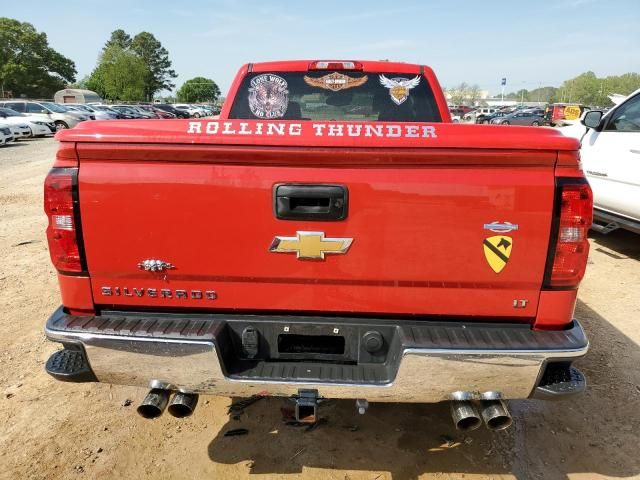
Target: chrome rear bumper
(425, 362)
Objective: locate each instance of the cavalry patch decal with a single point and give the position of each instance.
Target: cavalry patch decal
(335, 81)
(399, 87)
(497, 250)
(268, 96)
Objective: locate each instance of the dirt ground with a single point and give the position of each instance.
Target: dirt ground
(51, 430)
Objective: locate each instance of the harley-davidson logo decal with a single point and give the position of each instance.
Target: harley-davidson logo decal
(335, 81)
(310, 245)
(399, 87)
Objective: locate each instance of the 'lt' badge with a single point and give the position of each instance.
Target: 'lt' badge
(310, 245)
(497, 250)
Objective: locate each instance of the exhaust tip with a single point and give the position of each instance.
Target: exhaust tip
(469, 423)
(153, 404)
(495, 415)
(500, 422)
(183, 404)
(465, 415)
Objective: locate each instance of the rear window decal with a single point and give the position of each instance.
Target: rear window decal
(335, 81)
(268, 96)
(399, 87)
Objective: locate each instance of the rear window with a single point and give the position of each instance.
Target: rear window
(337, 96)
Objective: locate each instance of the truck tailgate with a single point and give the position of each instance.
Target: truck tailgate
(420, 224)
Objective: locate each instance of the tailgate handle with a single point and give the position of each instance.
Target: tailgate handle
(310, 202)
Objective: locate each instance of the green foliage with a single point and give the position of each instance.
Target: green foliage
(119, 75)
(198, 89)
(28, 65)
(132, 68)
(120, 38)
(156, 57)
(586, 88)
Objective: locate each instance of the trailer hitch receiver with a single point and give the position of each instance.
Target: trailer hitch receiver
(307, 406)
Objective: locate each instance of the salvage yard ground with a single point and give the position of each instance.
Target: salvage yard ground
(52, 430)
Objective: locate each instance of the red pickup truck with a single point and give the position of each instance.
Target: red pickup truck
(331, 235)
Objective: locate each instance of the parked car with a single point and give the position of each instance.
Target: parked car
(97, 114)
(171, 109)
(126, 110)
(193, 112)
(611, 161)
(519, 118)
(145, 113)
(75, 109)
(488, 118)
(38, 127)
(6, 135)
(47, 111)
(479, 114)
(113, 111)
(157, 111)
(20, 130)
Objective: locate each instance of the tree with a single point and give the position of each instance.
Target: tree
(28, 65)
(198, 89)
(119, 75)
(156, 58)
(120, 38)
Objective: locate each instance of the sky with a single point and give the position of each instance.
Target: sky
(531, 43)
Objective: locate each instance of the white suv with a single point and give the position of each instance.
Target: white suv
(610, 155)
(47, 111)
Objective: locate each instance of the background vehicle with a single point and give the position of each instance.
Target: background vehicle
(128, 111)
(169, 108)
(6, 135)
(479, 114)
(366, 270)
(519, 118)
(488, 118)
(610, 154)
(142, 111)
(47, 112)
(38, 127)
(94, 112)
(20, 130)
(157, 111)
(192, 111)
(112, 111)
(78, 110)
(561, 113)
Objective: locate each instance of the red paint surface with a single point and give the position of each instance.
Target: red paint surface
(417, 207)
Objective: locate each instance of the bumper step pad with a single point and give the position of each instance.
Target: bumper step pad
(560, 381)
(70, 366)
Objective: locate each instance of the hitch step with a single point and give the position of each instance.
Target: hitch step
(70, 366)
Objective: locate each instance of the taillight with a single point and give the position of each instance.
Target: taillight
(574, 214)
(61, 207)
(335, 65)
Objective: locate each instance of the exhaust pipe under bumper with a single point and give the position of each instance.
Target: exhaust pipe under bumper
(154, 403)
(495, 414)
(465, 415)
(183, 404)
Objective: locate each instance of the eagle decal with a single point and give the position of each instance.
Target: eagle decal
(399, 87)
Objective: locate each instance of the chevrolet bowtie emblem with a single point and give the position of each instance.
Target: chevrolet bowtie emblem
(310, 245)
